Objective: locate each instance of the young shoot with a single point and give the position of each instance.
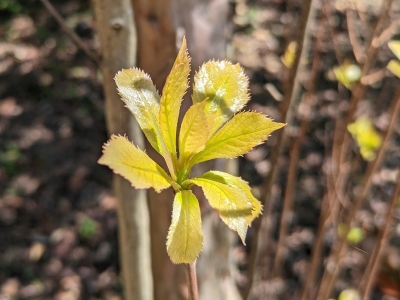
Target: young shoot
(212, 128)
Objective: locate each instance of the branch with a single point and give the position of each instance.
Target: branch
(294, 157)
(288, 99)
(78, 41)
(340, 245)
(190, 270)
(381, 244)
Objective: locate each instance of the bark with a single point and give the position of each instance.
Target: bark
(117, 34)
(156, 54)
(207, 28)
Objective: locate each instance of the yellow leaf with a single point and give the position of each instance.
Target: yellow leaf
(394, 67)
(395, 47)
(290, 54)
(237, 137)
(367, 138)
(185, 237)
(233, 205)
(347, 74)
(171, 99)
(133, 164)
(240, 184)
(194, 131)
(239, 221)
(140, 96)
(226, 88)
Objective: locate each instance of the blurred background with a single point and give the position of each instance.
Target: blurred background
(329, 184)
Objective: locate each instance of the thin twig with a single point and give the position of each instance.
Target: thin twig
(359, 89)
(340, 246)
(78, 41)
(395, 109)
(381, 243)
(327, 11)
(294, 158)
(288, 199)
(190, 270)
(317, 250)
(288, 99)
(358, 49)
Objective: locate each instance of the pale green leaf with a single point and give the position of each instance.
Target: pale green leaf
(141, 98)
(395, 47)
(366, 136)
(394, 67)
(185, 237)
(237, 137)
(194, 131)
(133, 164)
(289, 56)
(240, 184)
(239, 221)
(349, 294)
(234, 206)
(347, 74)
(171, 99)
(226, 88)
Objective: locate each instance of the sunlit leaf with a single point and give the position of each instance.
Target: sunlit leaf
(395, 47)
(349, 294)
(226, 88)
(171, 99)
(347, 74)
(141, 98)
(394, 67)
(133, 164)
(185, 237)
(234, 206)
(366, 136)
(244, 131)
(355, 235)
(290, 54)
(239, 221)
(240, 184)
(194, 131)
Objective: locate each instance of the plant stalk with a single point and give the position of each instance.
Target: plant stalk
(190, 270)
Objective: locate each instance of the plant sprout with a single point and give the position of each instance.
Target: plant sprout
(212, 128)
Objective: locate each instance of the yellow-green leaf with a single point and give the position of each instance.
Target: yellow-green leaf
(185, 237)
(240, 184)
(395, 47)
(240, 220)
(237, 137)
(194, 131)
(232, 204)
(226, 88)
(171, 99)
(133, 164)
(141, 98)
(290, 54)
(394, 67)
(366, 136)
(349, 294)
(347, 74)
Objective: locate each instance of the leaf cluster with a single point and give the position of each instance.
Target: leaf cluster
(212, 128)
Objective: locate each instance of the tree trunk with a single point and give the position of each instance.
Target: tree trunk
(117, 34)
(156, 54)
(207, 27)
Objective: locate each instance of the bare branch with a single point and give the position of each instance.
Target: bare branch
(77, 40)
